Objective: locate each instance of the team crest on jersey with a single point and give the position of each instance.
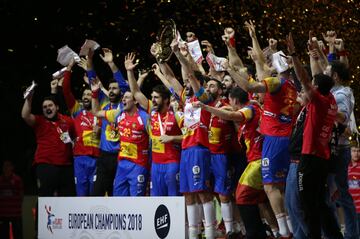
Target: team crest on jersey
(265, 162)
(140, 178)
(196, 169)
(133, 125)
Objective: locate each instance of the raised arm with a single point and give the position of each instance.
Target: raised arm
(108, 58)
(222, 113)
(300, 72)
(229, 39)
(241, 77)
(138, 95)
(68, 95)
(26, 114)
(168, 74)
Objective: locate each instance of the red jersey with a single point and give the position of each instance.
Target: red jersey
(86, 140)
(195, 127)
(354, 183)
(53, 140)
(249, 130)
(134, 139)
(165, 124)
(11, 196)
(279, 100)
(319, 122)
(219, 132)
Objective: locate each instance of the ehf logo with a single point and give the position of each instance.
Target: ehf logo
(52, 221)
(162, 221)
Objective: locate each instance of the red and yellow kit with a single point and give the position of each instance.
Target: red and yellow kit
(164, 124)
(134, 140)
(279, 101)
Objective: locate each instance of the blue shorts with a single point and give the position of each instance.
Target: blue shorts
(275, 159)
(84, 172)
(130, 179)
(195, 169)
(165, 179)
(220, 174)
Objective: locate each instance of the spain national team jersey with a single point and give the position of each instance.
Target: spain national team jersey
(220, 132)
(319, 122)
(249, 130)
(164, 124)
(86, 140)
(195, 126)
(134, 138)
(279, 101)
(109, 140)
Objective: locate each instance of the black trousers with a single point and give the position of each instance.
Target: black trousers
(106, 166)
(17, 229)
(53, 178)
(312, 177)
(254, 227)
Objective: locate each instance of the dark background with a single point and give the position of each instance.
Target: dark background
(32, 31)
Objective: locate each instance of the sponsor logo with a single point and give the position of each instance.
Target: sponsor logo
(162, 221)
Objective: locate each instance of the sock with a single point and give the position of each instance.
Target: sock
(288, 221)
(192, 220)
(200, 218)
(226, 212)
(283, 227)
(209, 214)
(275, 231)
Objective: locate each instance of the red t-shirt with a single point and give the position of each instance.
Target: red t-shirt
(279, 101)
(168, 124)
(219, 132)
(249, 130)
(11, 195)
(195, 127)
(134, 139)
(354, 183)
(50, 147)
(319, 122)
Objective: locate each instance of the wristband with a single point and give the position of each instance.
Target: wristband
(95, 94)
(232, 41)
(343, 53)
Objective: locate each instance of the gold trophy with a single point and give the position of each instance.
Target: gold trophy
(165, 36)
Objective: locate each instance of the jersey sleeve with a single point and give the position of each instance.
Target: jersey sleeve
(111, 115)
(247, 113)
(272, 84)
(179, 117)
(202, 96)
(149, 107)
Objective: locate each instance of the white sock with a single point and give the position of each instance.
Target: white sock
(209, 214)
(283, 227)
(226, 212)
(192, 215)
(288, 221)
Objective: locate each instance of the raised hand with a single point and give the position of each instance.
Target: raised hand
(107, 56)
(154, 50)
(208, 46)
(60, 81)
(129, 62)
(83, 63)
(339, 44)
(290, 44)
(155, 67)
(225, 64)
(273, 44)
(54, 84)
(330, 37)
(251, 28)
(95, 85)
(143, 74)
(190, 36)
(174, 45)
(252, 54)
(228, 36)
(71, 64)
